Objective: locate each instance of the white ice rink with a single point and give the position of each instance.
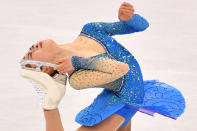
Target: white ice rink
(166, 51)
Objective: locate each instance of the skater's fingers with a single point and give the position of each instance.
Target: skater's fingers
(61, 71)
(60, 60)
(57, 67)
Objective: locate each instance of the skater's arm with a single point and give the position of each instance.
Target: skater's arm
(53, 120)
(94, 72)
(128, 23)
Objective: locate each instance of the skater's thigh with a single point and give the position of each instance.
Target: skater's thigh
(112, 123)
(127, 127)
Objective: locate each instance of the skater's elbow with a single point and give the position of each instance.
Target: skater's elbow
(144, 26)
(123, 69)
(126, 68)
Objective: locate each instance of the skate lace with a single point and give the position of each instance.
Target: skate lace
(39, 92)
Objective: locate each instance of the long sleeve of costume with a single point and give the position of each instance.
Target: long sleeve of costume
(95, 72)
(136, 24)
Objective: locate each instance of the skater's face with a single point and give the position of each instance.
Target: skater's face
(42, 51)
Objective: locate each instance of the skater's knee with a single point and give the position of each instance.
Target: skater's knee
(87, 128)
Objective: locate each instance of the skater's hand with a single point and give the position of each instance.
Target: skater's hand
(126, 11)
(64, 65)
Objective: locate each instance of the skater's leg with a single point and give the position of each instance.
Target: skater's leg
(112, 123)
(127, 127)
(53, 120)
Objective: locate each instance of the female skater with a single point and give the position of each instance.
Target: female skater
(105, 64)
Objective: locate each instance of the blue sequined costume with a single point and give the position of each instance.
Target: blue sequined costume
(150, 96)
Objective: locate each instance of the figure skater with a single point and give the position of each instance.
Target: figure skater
(96, 60)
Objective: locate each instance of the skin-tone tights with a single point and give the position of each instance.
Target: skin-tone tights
(53, 123)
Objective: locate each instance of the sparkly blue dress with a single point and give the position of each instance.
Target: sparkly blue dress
(146, 96)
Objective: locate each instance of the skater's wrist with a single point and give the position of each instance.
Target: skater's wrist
(79, 62)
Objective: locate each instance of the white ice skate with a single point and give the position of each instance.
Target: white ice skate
(50, 88)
